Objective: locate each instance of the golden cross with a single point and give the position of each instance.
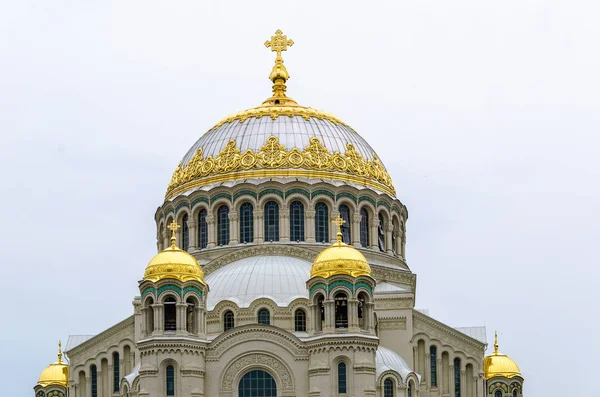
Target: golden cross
(339, 221)
(173, 226)
(279, 42)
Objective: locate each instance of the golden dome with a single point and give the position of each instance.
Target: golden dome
(498, 364)
(340, 258)
(173, 262)
(56, 373)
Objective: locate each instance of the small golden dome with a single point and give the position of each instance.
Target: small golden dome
(340, 258)
(173, 262)
(56, 373)
(498, 364)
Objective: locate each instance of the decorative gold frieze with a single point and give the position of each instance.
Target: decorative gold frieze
(273, 156)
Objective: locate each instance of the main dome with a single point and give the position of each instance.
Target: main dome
(280, 139)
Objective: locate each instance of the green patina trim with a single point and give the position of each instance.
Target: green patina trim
(396, 208)
(299, 191)
(336, 283)
(170, 210)
(169, 288)
(318, 286)
(264, 192)
(182, 204)
(244, 193)
(323, 192)
(367, 198)
(346, 194)
(198, 200)
(220, 195)
(386, 205)
(149, 290)
(361, 284)
(192, 288)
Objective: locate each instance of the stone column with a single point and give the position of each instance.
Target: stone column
(88, 384)
(160, 240)
(259, 235)
(353, 315)
(165, 236)
(192, 235)
(234, 229)
(416, 358)
(284, 224)
(158, 329)
(99, 381)
(329, 316)
(309, 226)
(199, 317)
(403, 246)
(439, 370)
(451, 375)
(388, 238)
(212, 235)
(332, 227)
(180, 326)
(374, 235)
(356, 218)
(370, 309)
(463, 381)
(143, 330)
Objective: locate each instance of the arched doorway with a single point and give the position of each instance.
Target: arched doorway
(257, 383)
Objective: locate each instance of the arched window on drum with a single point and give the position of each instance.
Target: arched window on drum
(321, 223)
(296, 221)
(345, 215)
(246, 223)
(223, 225)
(185, 235)
(271, 215)
(202, 229)
(364, 228)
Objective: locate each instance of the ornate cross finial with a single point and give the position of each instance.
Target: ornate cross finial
(339, 221)
(279, 42)
(59, 351)
(173, 226)
(496, 342)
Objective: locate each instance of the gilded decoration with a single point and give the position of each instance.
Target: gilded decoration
(273, 155)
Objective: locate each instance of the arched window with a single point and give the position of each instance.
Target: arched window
(342, 378)
(410, 389)
(185, 235)
(150, 316)
(498, 393)
(271, 221)
(341, 310)
(345, 215)
(264, 317)
(246, 223)
(170, 311)
(202, 230)
(223, 225)
(364, 228)
(300, 320)
(170, 381)
(296, 221)
(514, 393)
(116, 377)
(381, 233)
(433, 365)
(388, 388)
(257, 383)
(228, 320)
(457, 377)
(321, 223)
(94, 380)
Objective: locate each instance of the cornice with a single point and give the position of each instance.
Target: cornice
(128, 322)
(420, 319)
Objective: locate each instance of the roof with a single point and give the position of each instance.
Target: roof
(388, 360)
(478, 333)
(280, 278)
(76, 340)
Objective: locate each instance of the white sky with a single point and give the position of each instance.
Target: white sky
(486, 114)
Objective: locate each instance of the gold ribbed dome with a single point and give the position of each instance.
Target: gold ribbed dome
(174, 263)
(56, 373)
(498, 364)
(340, 258)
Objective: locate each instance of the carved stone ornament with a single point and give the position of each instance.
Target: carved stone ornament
(245, 363)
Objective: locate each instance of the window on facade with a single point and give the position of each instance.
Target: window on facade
(296, 221)
(223, 225)
(456, 377)
(257, 383)
(498, 393)
(341, 310)
(170, 316)
(300, 320)
(364, 228)
(94, 380)
(202, 230)
(388, 388)
(271, 221)
(342, 378)
(321, 223)
(433, 365)
(410, 389)
(514, 393)
(345, 215)
(381, 234)
(116, 377)
(228, 320)
(170, 381)
(246, 223)
(264, 317)
(185, 235)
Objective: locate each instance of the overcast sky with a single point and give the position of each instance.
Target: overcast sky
(486, 114)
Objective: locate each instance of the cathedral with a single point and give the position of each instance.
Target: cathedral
(281, 271)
